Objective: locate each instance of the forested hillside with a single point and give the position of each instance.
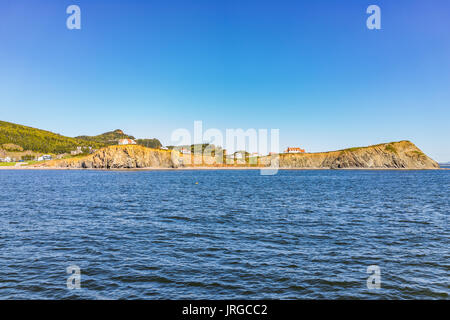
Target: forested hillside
(40, 140)
(28, 138)
(113, 137)
(149, 143)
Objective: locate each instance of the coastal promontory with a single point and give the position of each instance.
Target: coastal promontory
(394, 155)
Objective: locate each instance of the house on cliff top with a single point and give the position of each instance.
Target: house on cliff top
(294, 150)
(123, 142)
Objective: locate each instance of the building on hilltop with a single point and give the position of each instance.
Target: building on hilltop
(44, 157)
(185, 151)
(76, 152)
(294, 150)
(126, 141)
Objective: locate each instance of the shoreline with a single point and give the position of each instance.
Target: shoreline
(211, 168)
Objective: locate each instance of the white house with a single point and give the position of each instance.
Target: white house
(44, 157)
(294, 150)
(126, 141)
(75, 152)
(185, 151)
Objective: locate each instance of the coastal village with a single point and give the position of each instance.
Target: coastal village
(12, 154)
(22, 146)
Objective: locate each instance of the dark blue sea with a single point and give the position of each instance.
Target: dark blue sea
(234, 235)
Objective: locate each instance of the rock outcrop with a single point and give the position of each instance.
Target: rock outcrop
(394, 155)
(120, 157)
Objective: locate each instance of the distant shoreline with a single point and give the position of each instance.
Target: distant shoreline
(210, 168)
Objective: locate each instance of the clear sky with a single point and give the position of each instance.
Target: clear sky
(309, 68)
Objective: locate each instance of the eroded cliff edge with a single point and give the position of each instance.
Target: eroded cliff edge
(394, 155)
(120, 157)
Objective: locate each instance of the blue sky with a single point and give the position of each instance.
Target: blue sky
(309, 68)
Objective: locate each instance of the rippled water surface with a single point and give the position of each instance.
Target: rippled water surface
(235, 234)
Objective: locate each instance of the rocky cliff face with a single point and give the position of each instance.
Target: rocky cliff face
(402, 154)
(118, 157)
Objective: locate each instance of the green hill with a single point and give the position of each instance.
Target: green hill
(40, 140)
(113, 137)
(149, 143)
(107, 138)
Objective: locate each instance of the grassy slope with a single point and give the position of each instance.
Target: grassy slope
(390, 146)
(7, 164)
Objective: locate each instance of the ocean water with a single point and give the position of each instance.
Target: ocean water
(224, 234)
